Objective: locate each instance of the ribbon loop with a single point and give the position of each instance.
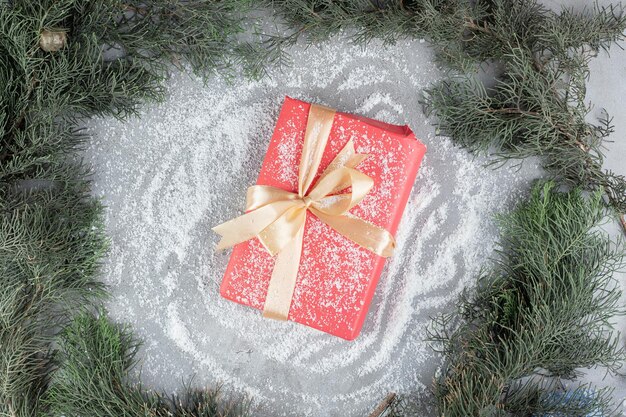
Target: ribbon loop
(277, 217)
(261, 195)
(340, 179)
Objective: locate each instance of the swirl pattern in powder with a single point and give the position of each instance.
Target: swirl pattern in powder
(184, 166)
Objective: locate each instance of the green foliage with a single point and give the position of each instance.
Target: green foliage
(387, 20)
(554, 274)
(540, 315)
(535, 105)
(97, 357)
(51, 241)
(116, 56)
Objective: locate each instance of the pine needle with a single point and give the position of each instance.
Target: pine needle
(545, 311)
(97, 359)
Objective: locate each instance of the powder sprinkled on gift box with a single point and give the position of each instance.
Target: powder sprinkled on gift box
(184, 167)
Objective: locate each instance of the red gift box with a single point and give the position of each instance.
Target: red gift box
(336, 277)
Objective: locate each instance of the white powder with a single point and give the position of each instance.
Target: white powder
(378, 98)
(363, 76)
(184, 167)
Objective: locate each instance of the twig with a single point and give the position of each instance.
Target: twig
(512, 110)
(471, 24)
(384, 404)
(11, 410)
(622, 220)
(137, 10)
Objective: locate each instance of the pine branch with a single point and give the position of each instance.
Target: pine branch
(94, 381)
(51, 242)
(545, 60)
(541, 314)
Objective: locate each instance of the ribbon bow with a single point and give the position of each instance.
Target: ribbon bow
(277, 216)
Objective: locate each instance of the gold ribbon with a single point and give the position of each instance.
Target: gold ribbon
(277, 216)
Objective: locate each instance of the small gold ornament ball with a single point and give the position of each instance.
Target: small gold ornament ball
(52, 40)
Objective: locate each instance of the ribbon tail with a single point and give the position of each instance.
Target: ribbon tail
(283, 280)
(250, 225)
(371, 237)
(285, 229)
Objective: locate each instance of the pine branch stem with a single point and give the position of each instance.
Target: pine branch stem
(512, 110)
(137, 10)
(471, 24)
(383, 405)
